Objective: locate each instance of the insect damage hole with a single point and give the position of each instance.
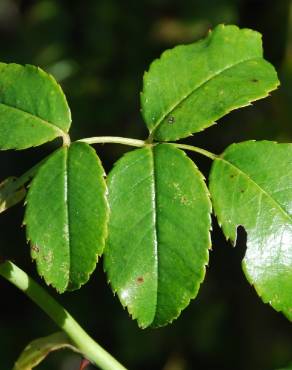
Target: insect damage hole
(240, 242)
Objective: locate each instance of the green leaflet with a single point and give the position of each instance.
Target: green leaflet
(33, 108)
(191, 86)
(157, 247)
(251, 186)
(66, 216)
(36, 351)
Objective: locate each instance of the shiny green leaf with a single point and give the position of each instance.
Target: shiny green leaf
(192, 86)
(251, 186)
(66, 216)
(36, 351)
(159, 225)
(33, 108)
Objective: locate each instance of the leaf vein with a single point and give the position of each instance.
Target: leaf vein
(28, 115)
(192, 91)
(276, 203)
(155, 239)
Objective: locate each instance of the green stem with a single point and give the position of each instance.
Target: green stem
(192, 148)
(141, 143)
(113, 139)
(87, 346)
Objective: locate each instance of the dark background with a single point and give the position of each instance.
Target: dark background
(98, 51)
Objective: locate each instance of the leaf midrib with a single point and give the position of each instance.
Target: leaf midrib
(180, 101)
(275, 202)
(43, 121)
(154, 207)
(67, 211)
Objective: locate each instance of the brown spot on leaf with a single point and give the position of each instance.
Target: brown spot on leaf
(140, 280)
(255, 80)
(35, 248)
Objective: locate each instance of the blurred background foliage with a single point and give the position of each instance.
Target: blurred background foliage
(98, 51)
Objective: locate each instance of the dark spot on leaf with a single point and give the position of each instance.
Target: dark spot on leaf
(254, 80)
(231, 176)
(35, 248)
(140, 280)
(170, 120)
(242, 191)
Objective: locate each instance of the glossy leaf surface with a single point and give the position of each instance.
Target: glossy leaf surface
(191, 86)
(36, 351)
(159, 226)
(251, 186)
(66, 216)
(33, 108)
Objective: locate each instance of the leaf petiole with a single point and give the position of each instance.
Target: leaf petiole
(192, 148)
(141, 143)
(114, 140)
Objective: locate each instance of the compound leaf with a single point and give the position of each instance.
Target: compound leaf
(251, 186)
(159, 225)
(36, 351)
(33, 108)
(66, 216)
(191, 86)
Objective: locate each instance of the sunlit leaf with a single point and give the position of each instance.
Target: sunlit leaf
(66, 216)
(158, 241)
(192, 86)
(251, 186)
(33, 108)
